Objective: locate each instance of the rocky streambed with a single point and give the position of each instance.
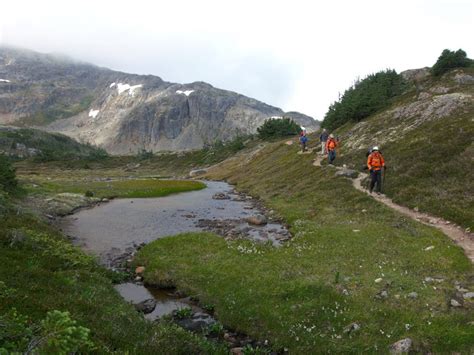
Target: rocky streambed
(114, 231)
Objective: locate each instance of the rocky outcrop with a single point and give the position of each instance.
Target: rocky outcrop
(432, 100)
(124, 113)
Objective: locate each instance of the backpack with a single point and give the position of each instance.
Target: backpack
(376, 160)
(331, 144)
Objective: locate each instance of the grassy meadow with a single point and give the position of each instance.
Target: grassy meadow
(351, 260)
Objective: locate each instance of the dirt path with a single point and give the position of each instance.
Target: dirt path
(462, 238)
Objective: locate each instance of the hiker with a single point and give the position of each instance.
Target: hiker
(303, 140)
(323, 138)
(375, 163)
(331, 146)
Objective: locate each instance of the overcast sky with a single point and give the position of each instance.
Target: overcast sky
(297, 55)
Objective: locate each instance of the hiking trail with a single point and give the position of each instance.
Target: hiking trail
(456, 233)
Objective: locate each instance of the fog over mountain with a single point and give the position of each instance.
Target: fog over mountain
(297, 55)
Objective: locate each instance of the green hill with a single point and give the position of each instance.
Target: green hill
(21, 143)
(426, 137)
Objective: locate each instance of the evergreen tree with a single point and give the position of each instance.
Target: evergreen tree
(449, 60)
(278, 127)
(364, 98)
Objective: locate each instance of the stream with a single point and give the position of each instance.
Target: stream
(115, 230)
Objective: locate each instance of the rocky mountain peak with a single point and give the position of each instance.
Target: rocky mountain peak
(123, 113)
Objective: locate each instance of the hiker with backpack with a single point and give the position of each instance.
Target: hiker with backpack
(303, 140)
(323, 138)
(331, 146)
(375, 164)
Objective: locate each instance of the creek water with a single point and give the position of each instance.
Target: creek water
(116, 228)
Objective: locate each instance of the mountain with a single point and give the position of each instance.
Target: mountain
(123, 113)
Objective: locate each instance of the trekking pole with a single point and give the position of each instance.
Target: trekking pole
(382, 180)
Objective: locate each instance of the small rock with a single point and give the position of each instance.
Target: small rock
(258, 220)
(138, 278)
(221, 196)
(416, 209)
(378, 280)
(349, 173)
(468, 296)
(455, 303)
(461, 289)
(382, 295)
(364, 211)
(356, 230)
(431, 279)
(146, 306)
(431, 247)
(413, 295)
(401, 346)
(353, 327)
(197, 172)
(139, 270)
(345, 292)
(237, 351)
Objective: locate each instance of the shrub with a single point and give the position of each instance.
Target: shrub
(183, 313)
(56, 334)
(8, 181)
(364, 98)
(278, 127)
(449, 60)
(144, 154)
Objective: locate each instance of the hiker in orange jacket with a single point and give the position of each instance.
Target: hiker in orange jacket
(375, 163)
(331, 146)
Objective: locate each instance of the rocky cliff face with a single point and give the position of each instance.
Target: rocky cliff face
(123, 113)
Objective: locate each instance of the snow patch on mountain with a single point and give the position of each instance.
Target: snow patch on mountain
(126, 87)
(187, 92)
(93, 113)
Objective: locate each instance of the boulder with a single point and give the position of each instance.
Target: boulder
(198, 322)
(146, 306)
(257, 220)
(401, 346)
(197, 172)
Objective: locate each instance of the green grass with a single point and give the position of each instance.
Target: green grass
(118, 188)
(293, 296)
(41, 272)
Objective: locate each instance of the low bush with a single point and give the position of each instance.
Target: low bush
(8, 181)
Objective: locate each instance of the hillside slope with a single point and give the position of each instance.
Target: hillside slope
(123, 113)
(21, 143)
(427, 140)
